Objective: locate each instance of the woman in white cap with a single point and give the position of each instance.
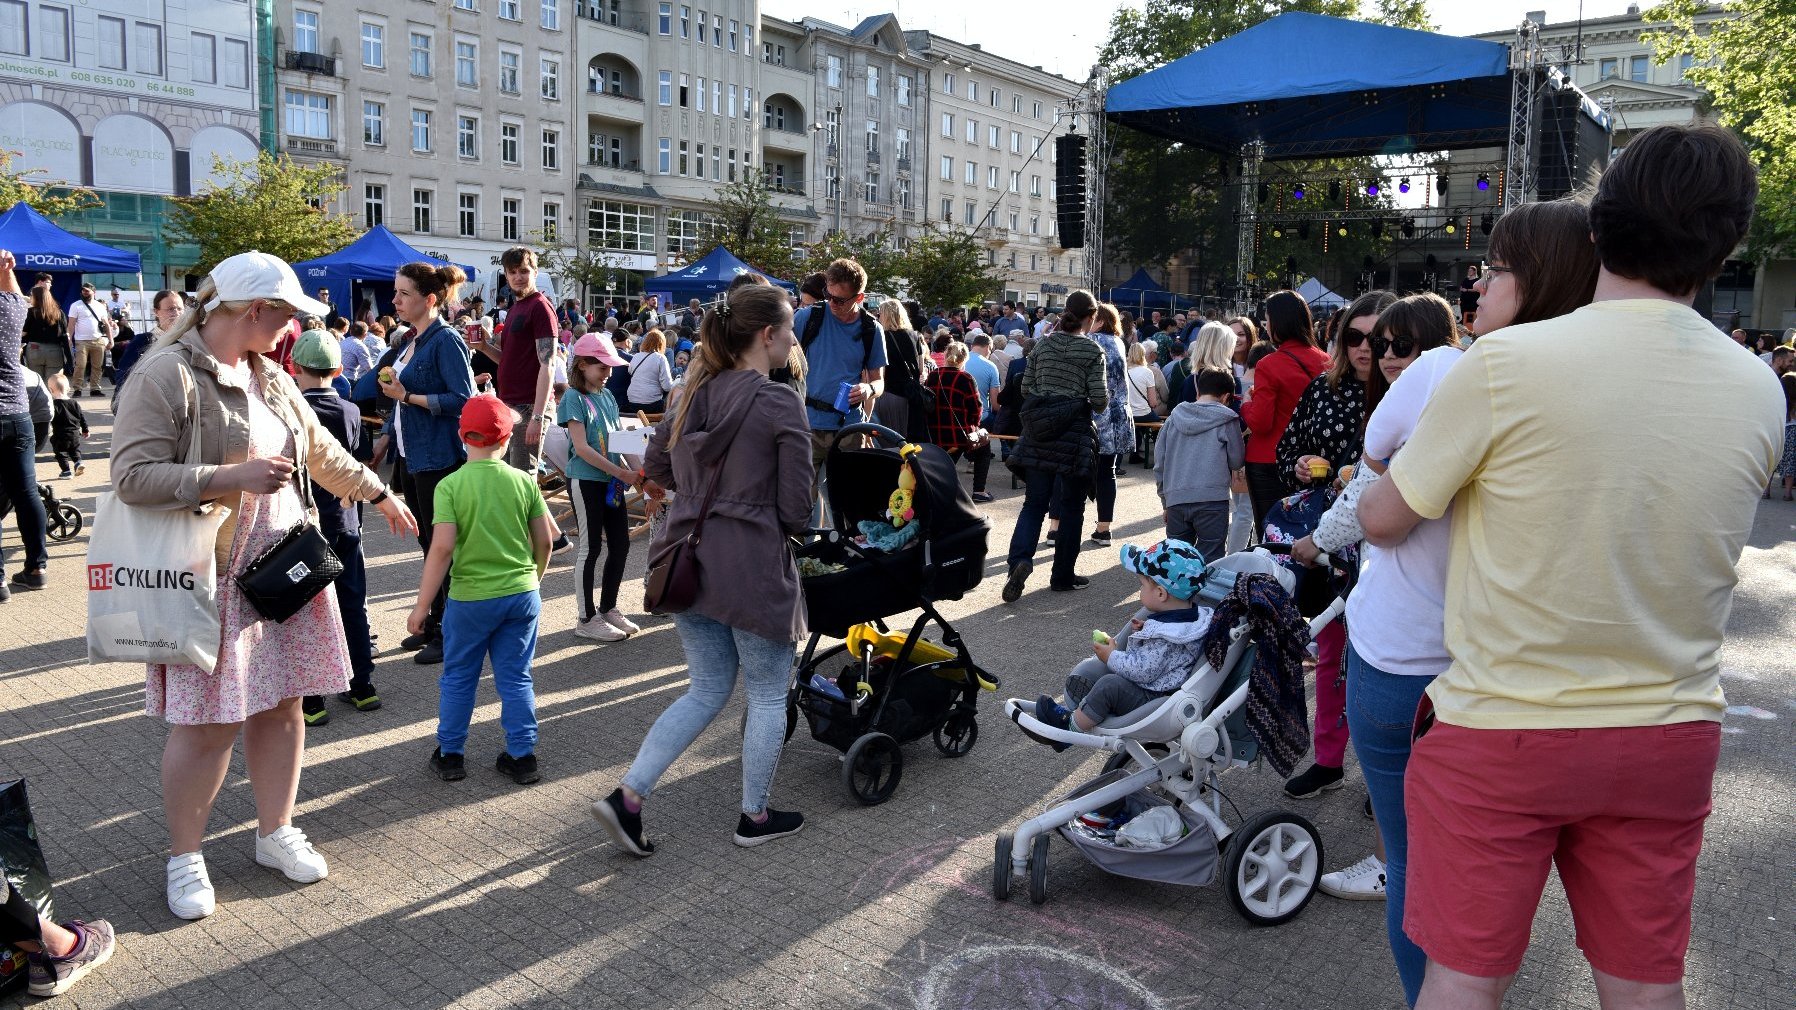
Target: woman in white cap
(214, 369)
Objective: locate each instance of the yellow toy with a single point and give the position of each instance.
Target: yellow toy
(900, 508)
(865, 636)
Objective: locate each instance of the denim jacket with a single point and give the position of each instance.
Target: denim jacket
(439, 372)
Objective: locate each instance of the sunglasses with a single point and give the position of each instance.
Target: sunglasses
(850, 300)
(1400, 347)
(1353, 338)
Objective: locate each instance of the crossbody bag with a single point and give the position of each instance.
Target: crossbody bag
(673, 579)
(296, 568)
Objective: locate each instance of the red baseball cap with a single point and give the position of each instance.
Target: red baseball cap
(486, 420)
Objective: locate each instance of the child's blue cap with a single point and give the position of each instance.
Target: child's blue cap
(1173, 565)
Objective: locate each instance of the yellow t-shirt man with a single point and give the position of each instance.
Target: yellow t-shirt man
(1604, 468)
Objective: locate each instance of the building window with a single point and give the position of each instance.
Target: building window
(947, 84)
(972, 175)
(550, 15)
(420, 130)
(148, 54)
(53, 31)
(1013, 221)
(901, 146)
(420, 46)
(833, 71)
(717, 97)
(994, 98)
(466, 5)
(551, 149)
(508, 10)
(551, 220)
(374, 46)
(1035, 110)
(374, 124)
(112, 42)
(701, 95)
(685, 22)
(1016, 182)
(374, 205)
(467, 214)
(972, 131)
(971, 209)
(509, 72)
(422, 201)
(1016, 104)
(467, 63)
(991, 177)
(994, 136)
(1034, 225)
(904, 193)
(832, 127)
(903, 89)
(1637, 69)
(308, 115)
(236, 63)
(716, 30)
(202, 53)
(872, 137)
(550, 73)
(716, 163)
(972, 91)
(748, 103)
(947, 124)
(732, 101)
(947, 168)
(686, 229)
(872, 187)
(685, 156)
(872, 82)
(664, 156)
(1608, 68)
(508, 143)
(1035, 185)
(509, 210)
(15, 31)
(305, 31)
(467, 136)
(665, 93)
(698, 157)
(664, 20)
(732, 164)
(685, 91)
(735, 30)
(701, 27)
(1016, 142)
(629, 227)
(1685, 62)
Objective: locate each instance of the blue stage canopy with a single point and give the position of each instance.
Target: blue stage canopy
(39, 246)
(1142, 293)
(1313, 86)
(371, 260)
(705, 279)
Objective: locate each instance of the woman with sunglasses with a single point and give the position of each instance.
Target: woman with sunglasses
(1543, 265)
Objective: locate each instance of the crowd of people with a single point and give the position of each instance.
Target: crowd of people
(1520, 687)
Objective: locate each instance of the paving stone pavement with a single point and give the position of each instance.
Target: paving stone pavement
(484, 894)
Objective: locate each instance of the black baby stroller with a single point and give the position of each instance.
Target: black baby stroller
(878, 690)
(62, 520)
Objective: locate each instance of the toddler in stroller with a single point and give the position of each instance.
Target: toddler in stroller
(1152, 656)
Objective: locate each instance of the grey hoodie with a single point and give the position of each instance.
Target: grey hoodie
(1199, 446)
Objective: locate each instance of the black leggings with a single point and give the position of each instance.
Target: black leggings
(419, 488)
(1265, 485)
(594, 516)
(1103, 479)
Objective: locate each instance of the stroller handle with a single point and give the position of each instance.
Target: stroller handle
(1323, 559)
(880, 431)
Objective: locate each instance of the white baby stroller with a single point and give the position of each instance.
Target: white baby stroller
(1170, 753)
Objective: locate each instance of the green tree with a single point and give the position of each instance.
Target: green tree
(51, 199)
(946, 266)
(747, 222)
(874, 251)
(1752, 85)
(273, 205)
(589, 268)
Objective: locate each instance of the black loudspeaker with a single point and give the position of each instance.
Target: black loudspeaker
(1572, 148)
(1069, 189)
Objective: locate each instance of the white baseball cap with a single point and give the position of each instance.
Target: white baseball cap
(252, 275)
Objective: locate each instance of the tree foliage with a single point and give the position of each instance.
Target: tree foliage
(875, 252)
(1752, 85)
(51, 199)
(1166, 199)
(946, 266)
(747, 222)
(588, 268)
(272, 205)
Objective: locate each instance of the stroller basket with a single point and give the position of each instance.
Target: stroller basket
(1191, 861)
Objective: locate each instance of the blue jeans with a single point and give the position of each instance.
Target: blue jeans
(506, 628)
(352, 600)
(18, 481)
(1067, 494)
(1381, 711)
(714, 652)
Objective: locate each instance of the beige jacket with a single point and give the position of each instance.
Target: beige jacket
(152, 433)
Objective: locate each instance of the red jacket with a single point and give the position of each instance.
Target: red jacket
(1278, 380)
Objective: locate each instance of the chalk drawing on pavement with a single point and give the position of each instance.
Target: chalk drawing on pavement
(1030, 977)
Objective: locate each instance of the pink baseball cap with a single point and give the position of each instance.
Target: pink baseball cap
(594, 346)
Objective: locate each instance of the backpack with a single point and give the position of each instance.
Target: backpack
(813, 325)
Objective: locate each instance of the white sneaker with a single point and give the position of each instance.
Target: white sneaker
(190, 894)
(616, 619)
(1363, 881)
(600, 630)
(288, 851)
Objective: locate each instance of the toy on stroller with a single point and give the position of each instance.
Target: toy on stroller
(1170, 753)
(62, 520)
(876, 691)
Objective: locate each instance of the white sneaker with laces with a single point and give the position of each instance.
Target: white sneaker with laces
(1363, 881)
(600, 630)
(190, 894)
(288, 851)
(616, 619)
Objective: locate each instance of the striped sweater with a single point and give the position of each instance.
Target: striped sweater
(1067, 364)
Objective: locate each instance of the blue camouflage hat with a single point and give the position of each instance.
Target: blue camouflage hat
(1173, 565)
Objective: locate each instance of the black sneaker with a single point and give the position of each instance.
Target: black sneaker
(431, 654)
(29, 581)
(1100, 537)
(363, 698)
(1013, 586)
(624, 827)
(1051, 713)
(1370, 816)
(521, 769)
(313, 709)
(448, 767)
(1314, 781)
(412, 643)
(1053, 535)
(779, 824)
(983, 497)
(1077, 583)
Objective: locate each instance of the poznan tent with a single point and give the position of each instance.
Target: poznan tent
(40, 246)
(363, 270)
(1141, 294)
(705, 279)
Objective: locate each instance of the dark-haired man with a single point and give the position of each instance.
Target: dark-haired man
(526, 353)
(842, 345)
(1579, 723)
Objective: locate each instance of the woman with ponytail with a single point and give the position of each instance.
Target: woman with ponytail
(750, 434)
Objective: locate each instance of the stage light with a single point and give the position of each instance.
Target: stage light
(1486, 222)
(1297, 191)
(1277, 232)
(1483, 181)
(1452, 229)
(1440, 185)
(1334, 189)
(1265, 192)
(1371, 189)
(1342, 230)
(1403, 187)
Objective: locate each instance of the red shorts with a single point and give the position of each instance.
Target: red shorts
(1619, 811)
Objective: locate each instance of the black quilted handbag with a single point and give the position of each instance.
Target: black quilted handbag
(299, 566)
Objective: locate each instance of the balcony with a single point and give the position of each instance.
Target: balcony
(794, 141)
(311, 63)
(612, 16)
(612, 105)
(312, 146)
(903, 163)
(873, 156)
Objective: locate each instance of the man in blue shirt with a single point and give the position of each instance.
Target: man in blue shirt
(1011, 322)
(838, 354)
(984, 373)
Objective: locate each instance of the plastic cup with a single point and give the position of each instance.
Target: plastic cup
(843, 403)
(1318, 469)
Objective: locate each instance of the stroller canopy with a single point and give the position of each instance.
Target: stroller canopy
(861, 481)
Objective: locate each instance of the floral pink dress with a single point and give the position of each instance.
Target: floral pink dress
(260, 663)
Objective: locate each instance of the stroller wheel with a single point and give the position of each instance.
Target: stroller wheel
(872, 768)
(957, 734)
(1001, 866)
(64, 522)
(1271, 867)
(1038, 869)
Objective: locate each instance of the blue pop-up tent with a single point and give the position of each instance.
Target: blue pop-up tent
(39, 246)
(1141, 293)
(363, 270)
(705, 279)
